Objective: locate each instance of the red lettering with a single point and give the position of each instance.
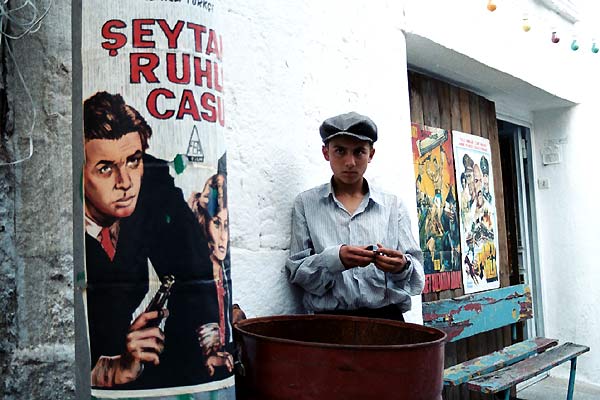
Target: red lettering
(137, 68)
(171, 34)
(172, 68)
(152, 100)
(139, 33)
(213, 44)
(221, 111)
(210, 116)
(218, 84)
(198, 31)
(203, 73)
(115, 40)
(188, 106)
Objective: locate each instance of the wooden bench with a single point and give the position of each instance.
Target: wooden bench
(498, 372)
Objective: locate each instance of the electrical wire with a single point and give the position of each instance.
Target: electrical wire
(22, 26)
(34, 116)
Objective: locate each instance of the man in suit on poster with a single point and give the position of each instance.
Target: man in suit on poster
(139, 229)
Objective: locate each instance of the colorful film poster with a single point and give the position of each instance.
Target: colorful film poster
(158, 288)
(477, 209)
(437, 207)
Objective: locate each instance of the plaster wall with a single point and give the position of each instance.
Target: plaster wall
(291, 65)
(567, 230)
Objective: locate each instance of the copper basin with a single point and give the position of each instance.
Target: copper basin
(338, 357)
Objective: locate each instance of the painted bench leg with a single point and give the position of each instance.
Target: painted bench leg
(504, 395)
(572, 379)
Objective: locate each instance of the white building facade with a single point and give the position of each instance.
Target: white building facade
(293, 64)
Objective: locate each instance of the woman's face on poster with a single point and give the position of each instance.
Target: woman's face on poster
(204, 197)
(218, 229)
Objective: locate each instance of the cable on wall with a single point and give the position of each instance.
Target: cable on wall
(23, 20)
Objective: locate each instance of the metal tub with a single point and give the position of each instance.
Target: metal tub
(338, 357)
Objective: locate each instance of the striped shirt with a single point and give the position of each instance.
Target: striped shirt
(321, 225)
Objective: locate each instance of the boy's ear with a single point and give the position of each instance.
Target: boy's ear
(325, 150)
(371, 153)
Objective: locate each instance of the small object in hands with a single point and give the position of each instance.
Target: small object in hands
(159, 300)
(373, 248)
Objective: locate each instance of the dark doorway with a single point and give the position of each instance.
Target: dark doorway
(519, 206)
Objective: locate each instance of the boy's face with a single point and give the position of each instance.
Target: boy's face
(112, 177)
(348, 158)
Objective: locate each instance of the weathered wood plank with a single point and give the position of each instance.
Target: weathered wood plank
(469, 315)
(431, 107)
(443, 94)
(507, 377)
(465, 115)
(467, 370)
(415, 97)
(502, 252)
(474, 114)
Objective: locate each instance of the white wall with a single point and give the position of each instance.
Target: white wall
(568, 223)
(289, 66)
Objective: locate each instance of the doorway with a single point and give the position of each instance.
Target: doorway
(519, 206)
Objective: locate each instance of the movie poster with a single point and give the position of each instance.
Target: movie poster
(437, 207)
(158, 287)
(477, 209)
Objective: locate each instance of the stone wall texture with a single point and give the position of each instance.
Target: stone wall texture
(36, 263)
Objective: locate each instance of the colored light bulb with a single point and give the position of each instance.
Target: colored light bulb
(595, 48)
(555, 38)
(526, 26)
(491, 6)
(574, 45)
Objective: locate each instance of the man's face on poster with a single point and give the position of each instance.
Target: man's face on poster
(470, 183)
(486, 183)
(112, 177)
(477, 178)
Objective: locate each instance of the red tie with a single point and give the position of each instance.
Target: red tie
(106, 243)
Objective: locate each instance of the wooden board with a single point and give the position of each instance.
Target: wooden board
(507, 377)
(476, 313)
(468, 370)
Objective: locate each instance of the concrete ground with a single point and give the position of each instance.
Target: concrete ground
(552, 388)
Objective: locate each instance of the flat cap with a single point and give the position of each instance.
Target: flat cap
(349, 124)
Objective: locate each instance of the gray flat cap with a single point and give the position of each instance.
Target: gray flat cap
(350, 124)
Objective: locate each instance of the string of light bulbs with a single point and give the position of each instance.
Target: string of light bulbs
(554, 36)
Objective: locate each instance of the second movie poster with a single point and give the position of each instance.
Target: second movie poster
(477, 205)
(158, 287)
